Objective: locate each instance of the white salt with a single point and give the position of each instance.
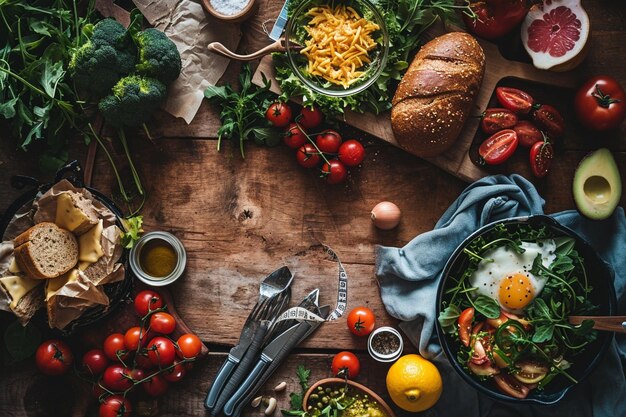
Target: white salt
(229, 7)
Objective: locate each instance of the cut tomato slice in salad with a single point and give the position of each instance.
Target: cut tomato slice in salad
(465, 325)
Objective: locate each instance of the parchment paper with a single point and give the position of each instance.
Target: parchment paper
(191, 29)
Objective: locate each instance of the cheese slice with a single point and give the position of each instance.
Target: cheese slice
(18, 287)
(69, 217)
(55, 284)
(13, 268)
(89, 246)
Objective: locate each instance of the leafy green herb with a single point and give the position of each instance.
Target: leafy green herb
(487, 306)
(133, 231)
(448, 318)
(295, 402)
(243, 112)
(21, 342)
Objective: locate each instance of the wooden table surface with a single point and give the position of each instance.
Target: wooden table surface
(241, 219)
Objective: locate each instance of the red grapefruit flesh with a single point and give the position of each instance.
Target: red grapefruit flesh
(556, 34)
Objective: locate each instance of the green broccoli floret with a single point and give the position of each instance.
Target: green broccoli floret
(158, 56)
(133, 101)
(105, 58)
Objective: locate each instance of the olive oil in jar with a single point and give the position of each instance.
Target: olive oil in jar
(158, 258)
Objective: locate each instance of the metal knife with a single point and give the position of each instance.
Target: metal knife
(272, 356)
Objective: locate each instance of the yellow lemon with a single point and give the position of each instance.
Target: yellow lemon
(414, 383)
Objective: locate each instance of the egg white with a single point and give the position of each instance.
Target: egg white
(503, 261)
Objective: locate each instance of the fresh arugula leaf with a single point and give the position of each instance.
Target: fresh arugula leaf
(448, 318)
(543, 333)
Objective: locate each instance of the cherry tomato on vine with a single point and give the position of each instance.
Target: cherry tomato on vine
(278, 114)
(53, 357)
(541, 155)
(137, 374)
(310, 118)
(115, 348)
(549, 120)
(142, 360)
(117, 378)
(497, 119)
(115, 406)
(294, 137)
(335, 172)
(498, 147)
(94, 362)
(155, 386)
(600, 104)
(518, 101)
(346, 362)
(361, 321)
(147, 301)
(351, 153)
(465, 325)
(307, 156)
(189, 346)
(328, 141)
(527, 133)
(161, 351)
(132, 335)
(162, 322)
(176, 373)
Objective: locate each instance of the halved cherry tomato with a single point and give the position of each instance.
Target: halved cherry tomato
(278, 114)
(310, 118)
(161, 351)
(307, 156)
(351, 153)
(294, 137)
(162, 322)
(518, 101)
(115, 348)
(541, 155)
(510, 386)
(499, 147)
(530, 372)
(346, 362)
(94, 362)
(335, 172)
(527, 133)
(53, 357)
(189, 346)
(465, 325)
(147, 301)
(115, 406)
(549, 120)
(328, 141)
(497, 119)
(600, 103)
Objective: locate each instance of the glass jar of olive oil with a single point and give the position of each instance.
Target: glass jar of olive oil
(158, 258)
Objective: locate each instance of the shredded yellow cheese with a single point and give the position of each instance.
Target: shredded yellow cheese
(339, 44)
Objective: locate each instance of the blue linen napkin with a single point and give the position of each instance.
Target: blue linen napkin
(409, 277)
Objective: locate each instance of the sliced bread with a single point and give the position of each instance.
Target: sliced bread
(75, 213)
(45, 251)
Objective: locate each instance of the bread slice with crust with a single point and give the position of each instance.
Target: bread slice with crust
(45, 251)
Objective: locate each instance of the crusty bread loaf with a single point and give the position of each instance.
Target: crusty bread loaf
(436, 94)
(45, 251)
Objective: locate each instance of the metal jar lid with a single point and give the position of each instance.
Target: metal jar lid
(177, 246)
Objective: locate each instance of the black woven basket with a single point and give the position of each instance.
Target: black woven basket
(118, 291)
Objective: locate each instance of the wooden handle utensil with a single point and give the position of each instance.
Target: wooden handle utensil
(278, 46)
(615, 324)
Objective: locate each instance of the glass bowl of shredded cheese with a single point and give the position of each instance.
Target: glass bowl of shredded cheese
(337, 48)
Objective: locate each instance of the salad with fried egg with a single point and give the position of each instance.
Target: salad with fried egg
(509, 308)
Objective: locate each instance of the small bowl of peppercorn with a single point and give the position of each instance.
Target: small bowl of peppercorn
(385, 344)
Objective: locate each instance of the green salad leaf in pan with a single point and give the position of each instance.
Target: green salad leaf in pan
(509, 307)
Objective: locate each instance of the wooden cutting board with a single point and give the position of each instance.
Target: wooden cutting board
(456, 160)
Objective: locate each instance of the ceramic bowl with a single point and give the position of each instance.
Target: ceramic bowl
(600, 276)
(239, 16)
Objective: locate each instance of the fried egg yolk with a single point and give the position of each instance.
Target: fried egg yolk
(516, 291)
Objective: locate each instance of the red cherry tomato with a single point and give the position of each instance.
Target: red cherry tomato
(294, 137)
(335, 172)
(346, 362)
(94, 362)
(361, 321)
(161, 351)
(495, 18)
(156, 386)
(176, 373)
(189, 346)
(147, 301)
(550, 121)
(518, 101)
(115, 406)
(142, 360)
(137, 374)
(278, 114)
(497, 119)
(511, 386)
(310, 118)
(328, 141)
(307, 156)
(163, 323)
(465, 325)
(527, 133)
(132, 336)
(115, 348)
(351, 153)
(498, 147)
(600, 104)
(117, 378)
(541, 155)
(53, 357)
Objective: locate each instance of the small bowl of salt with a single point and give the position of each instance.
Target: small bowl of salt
(232, 11)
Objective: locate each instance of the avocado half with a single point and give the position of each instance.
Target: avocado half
(597, 185)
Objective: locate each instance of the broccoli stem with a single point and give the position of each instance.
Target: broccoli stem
(136, 178)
